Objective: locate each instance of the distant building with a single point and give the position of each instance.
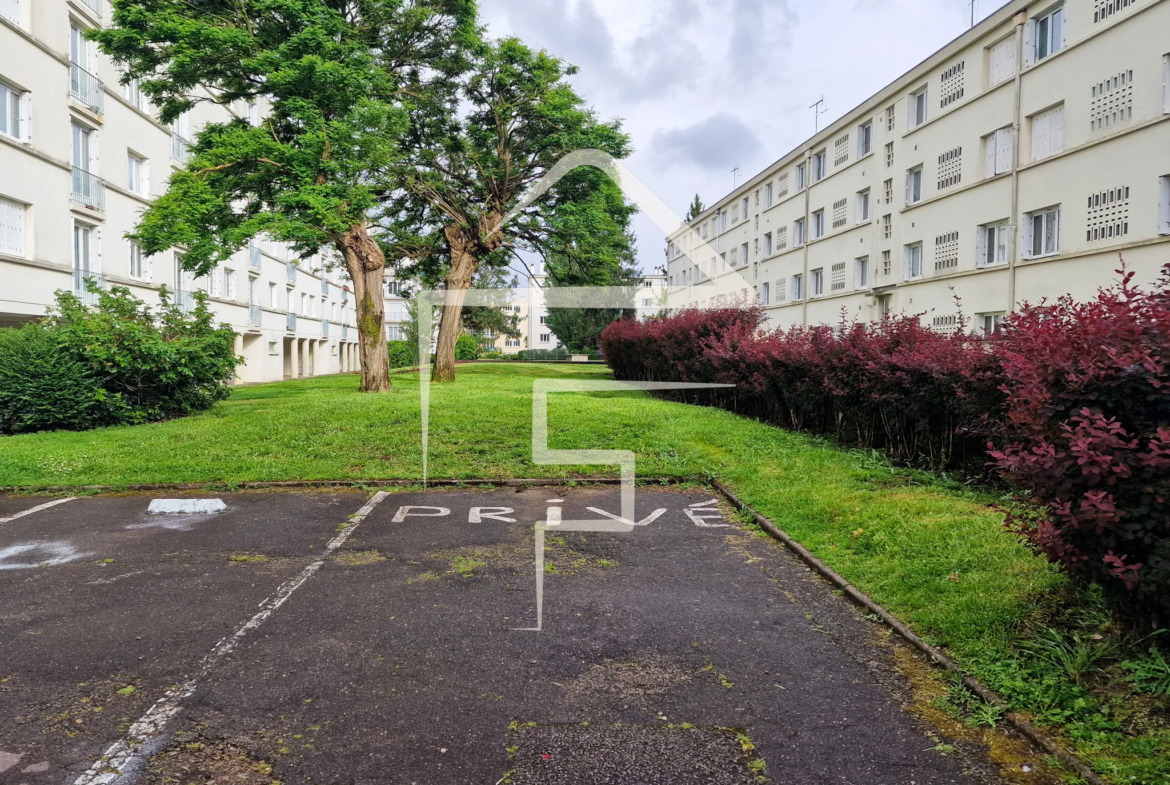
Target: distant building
(1012, 165)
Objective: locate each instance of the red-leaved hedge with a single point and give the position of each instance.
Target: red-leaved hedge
(1073, 398)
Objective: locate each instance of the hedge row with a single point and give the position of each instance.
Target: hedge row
(119, 362)
(1070, 404)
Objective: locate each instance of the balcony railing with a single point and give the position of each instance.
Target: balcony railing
(292, 322)
(185, 301)
(254, 256)
(81, 286)
(180, 148)
(255, 315)
(86, 88)
(325, 328)
(96, 5)
(89, 190)
(292, 272)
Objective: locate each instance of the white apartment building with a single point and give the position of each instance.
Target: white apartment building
(1012, 165)
(82, 155)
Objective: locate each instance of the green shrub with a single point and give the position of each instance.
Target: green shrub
(44, 388)
(403, 354)
(544, 354)
(152, 364)
(466, 348)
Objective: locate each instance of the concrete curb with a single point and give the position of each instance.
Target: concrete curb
(1019, 722)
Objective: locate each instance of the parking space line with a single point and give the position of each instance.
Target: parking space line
(38, 508)
(145, 737)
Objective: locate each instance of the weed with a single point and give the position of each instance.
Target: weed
(1150, 675)
(1077, 654)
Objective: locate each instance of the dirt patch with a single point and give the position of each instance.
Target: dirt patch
(207, 762)
(638, 681)
(358, 558)
(564, 554)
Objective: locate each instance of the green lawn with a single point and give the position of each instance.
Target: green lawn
(931, 551)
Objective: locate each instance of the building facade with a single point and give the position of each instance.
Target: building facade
(81, 156)
(1014, 164)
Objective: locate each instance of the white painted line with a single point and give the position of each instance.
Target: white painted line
(185, 506)
(704, 504)
(38, 508)
(125, 756)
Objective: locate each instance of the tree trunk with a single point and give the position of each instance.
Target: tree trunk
(366, 265)
(463, 264)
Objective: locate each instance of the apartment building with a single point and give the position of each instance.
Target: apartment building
(82, 155)
(1014, 164)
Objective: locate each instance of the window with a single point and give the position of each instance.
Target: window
(799, 233)
(1042, 232)
(768, 195)
(757, 197)
(864, 139)
(818, 219)
(1048, 133)
(137, 174)
(744, 254)
(1047, 34)
(544, 320)
(83, 82)
(86, 254)
(745, 208)
(818, 282)
(229, 284)
(990, 323)
(723, 220)
(861, 272)
(768, 244)
(998, 152)
(181, 137)
(1164, 205)
(889, 154)
(820, 163)
(766, 294)
(801, 177)
(10, 10)
(1002, 61)
(914, 185)
(134, 95)
(735, 213)
(273, 297)
(918, 102)
(252, 113)
(139, 266)
(14, 113)
(863, 206)
(11, 227)
(993, 244)
(798, 287)
(913, 262)
(545, 337)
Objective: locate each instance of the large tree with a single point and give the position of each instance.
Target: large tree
(338, 80)
(474, 154)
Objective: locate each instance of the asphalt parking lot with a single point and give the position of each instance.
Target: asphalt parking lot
(284, 639)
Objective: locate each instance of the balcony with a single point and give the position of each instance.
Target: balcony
(292, 272)
(292, 322)
(255, 315)
(82, 283)
(94, 5)
(184, 301)
(86, 88)
(89, 190)
(180, 148)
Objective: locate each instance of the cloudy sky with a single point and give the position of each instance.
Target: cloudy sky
(707, 85)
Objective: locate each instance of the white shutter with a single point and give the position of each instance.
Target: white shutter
(1003, 60)
(11, 228)
(147, 267)
(146, 178)
(96, 251)
(94, 153)
(1003, 150)
(1164, 206)
(1041, 136)
(1056, 130)
(1030, 42)
(989, 156)
(26, 117)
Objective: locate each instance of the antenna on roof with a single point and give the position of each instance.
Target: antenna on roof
(735, 173)
(819, 109)
(973, 4)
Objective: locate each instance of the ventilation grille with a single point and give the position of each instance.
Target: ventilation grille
(1103, 9)
(950, 168)
(953, 84)
(886, 263)
(841, 150)
(781, 290)
(782, 186)
(946, 251)
(837, 281)
(782, 238)
(1112, 102)
(887, 227)
(945, 323)
(1108, 214)
(840, 209)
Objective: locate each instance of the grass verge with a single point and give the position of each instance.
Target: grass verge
(931, 551)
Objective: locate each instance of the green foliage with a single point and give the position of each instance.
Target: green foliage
(543, 354)
(1076, 653)
(696, 209)
(466, 348)
(1150, 674)
(403, 354)
(150, 364)
(43, 387)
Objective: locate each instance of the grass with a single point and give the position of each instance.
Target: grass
(932, 551)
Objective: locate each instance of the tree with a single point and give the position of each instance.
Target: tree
(338, 78)
(696, 209)
(475, 153)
